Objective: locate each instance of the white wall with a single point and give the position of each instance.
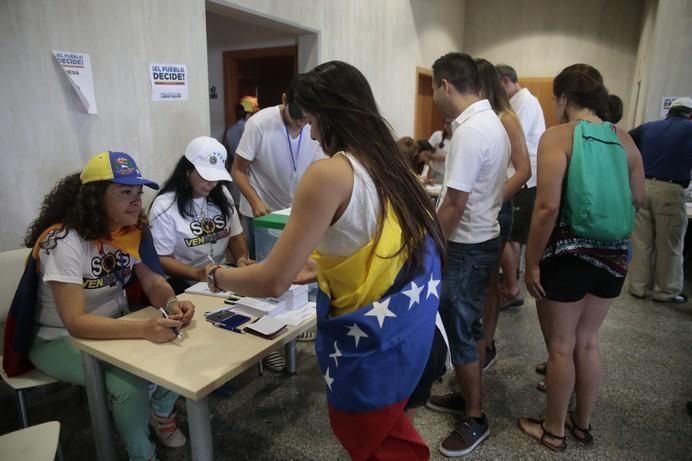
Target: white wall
(44, 129)
(541, 37)
(669, 65)
(385, 39)
(224, 34)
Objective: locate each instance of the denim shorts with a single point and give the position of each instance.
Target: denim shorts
(464, 281)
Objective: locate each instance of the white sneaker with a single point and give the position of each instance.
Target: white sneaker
(167, 430)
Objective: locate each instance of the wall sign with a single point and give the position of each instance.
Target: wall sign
(168, 82)
(77, 68)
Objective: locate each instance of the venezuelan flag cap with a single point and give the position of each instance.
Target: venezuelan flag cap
(117, 167)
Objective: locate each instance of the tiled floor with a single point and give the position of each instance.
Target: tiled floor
(647, 350)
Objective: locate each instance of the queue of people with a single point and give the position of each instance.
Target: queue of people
(403, 282)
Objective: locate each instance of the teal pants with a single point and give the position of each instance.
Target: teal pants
(128, 394)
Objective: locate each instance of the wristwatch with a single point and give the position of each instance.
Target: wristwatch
(169, 301)
(211, 279)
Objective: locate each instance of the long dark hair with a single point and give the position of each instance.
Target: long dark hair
(78, 207)
(179, 183)
(583, 86)
(491, 86)
(340, 98)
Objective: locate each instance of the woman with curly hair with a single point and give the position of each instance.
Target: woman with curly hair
(90, 239)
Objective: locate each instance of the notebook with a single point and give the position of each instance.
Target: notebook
(266, 327)
(201, 288)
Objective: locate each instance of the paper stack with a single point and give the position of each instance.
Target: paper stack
(296, 297)
(201, 288)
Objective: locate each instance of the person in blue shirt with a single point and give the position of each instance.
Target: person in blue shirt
(245, 108)
(666, 147)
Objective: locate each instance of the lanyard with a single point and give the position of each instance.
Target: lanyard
(290, 147)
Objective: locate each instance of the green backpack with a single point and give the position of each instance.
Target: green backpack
(598, 201)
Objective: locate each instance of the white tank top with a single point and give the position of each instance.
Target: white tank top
(358, 223)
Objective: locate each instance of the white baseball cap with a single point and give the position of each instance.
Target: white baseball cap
(682, 102)
(209, 158)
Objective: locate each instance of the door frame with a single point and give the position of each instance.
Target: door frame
(419, 131)
(230, 73)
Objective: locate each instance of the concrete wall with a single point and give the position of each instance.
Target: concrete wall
(668, 64)
(541, 37)
(385, 39)
(45, 131)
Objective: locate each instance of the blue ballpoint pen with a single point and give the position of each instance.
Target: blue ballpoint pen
(165, 316)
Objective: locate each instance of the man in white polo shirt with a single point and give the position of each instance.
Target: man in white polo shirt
(530, 113)
(469, 204)
(272, 156)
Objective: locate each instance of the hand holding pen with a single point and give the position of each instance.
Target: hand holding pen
(162, 330)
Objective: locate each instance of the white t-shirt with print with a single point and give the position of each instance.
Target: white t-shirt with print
(275, 169)
(530, 113)
(101, 270)
(191, 239)
(477, 162)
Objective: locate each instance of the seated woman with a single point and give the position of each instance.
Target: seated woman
(193, 218)
(440, 140)
(417, 154)
(378, 263)
(90, 239)
(423, 161)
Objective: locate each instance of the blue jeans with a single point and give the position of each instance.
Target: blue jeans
(464, 280)
(249, 229)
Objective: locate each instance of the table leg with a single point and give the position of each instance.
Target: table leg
(290, 350)
(98, 410)
(200, 429)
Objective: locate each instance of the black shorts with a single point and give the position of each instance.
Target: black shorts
(505, 220)
(523, 207)
(568, 279)
(434, 370)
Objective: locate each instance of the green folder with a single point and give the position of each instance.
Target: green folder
(271, 221)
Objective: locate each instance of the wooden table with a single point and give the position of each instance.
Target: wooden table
(204, 358)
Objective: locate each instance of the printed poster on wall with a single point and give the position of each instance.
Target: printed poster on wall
(666, 101)
(168, 82)
(77, 68)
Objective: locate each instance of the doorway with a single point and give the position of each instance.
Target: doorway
(427, 118)
(542, 89)
(263, 73)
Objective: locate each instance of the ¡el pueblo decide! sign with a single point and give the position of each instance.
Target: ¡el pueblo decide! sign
(168, 82)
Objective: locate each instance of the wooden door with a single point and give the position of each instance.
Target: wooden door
(427, 118)
(542, 88)
(264, 73)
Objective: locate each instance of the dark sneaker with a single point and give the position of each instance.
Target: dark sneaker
(490, 357)
(451, 403)
(465, 437)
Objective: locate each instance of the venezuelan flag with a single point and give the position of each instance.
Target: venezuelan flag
(375, 330)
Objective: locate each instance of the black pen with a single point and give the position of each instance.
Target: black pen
(165, 316)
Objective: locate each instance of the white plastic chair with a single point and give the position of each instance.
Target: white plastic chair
(11, 269)
(35, 443)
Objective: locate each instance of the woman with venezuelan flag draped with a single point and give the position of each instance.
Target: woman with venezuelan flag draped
(89, 241)
(371, 238)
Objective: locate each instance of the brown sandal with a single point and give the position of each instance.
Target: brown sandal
(586, 438)
(556, 448)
